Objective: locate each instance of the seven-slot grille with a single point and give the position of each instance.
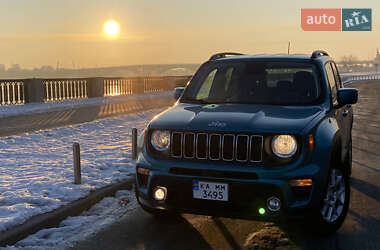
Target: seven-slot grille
(215, 146)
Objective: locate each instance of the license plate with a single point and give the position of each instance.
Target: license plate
(210, 191)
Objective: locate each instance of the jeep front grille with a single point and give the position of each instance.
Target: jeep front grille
(217, 147)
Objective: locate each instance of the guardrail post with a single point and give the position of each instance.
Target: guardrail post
(95, 87)
(180, 81)
(76, 162)
(134, 143)
(168, 83)
(138, 85)
(34, 90)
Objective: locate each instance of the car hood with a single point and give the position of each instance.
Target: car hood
(236, 118)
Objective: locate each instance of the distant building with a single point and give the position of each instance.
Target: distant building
(377, 59)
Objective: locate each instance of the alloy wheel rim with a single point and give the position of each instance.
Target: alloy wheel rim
(334, 200)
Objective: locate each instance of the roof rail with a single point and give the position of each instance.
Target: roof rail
(319, 53)
(223, 55)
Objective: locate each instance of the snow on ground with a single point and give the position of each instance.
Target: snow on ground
(75, 229)
(36, 108)
(36, 173)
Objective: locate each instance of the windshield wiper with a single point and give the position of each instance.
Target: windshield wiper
(200, 101)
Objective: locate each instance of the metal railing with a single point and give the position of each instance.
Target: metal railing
(154, 84)
(136, 85)
(12, 92)
(61, 89)
(360, 77)
(116, 87)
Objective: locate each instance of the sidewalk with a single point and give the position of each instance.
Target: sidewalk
(36, 116)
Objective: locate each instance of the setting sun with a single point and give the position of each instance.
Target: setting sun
(111, 28)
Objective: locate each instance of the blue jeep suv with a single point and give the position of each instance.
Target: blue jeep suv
(266, 137)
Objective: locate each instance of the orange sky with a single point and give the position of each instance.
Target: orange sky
(41, 32)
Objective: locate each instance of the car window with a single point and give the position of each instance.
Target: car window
(336, 74)
(204, 91)
(332, 82)
(228, 77)
(275, 83)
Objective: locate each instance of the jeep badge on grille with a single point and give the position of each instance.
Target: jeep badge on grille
(217, 124)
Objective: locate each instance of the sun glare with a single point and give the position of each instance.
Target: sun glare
(111, 28)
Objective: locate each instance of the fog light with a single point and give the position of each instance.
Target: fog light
(274, 204)
(159, 193)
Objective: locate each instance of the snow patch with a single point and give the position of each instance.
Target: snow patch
(36, 172)
(75, 229)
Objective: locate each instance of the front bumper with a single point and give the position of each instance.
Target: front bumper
(246, 194)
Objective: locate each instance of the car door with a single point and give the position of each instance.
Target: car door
(337, 112)
(347, 109)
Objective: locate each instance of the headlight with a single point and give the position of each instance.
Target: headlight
(284, 146)
(160, 140)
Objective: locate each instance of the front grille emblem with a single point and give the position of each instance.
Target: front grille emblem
(217, 124)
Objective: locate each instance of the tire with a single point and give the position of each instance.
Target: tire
(153, 211)
(335, 204)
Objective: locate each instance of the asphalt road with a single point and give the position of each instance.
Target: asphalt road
(361, 229)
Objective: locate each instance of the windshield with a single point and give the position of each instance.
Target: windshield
(274, 83)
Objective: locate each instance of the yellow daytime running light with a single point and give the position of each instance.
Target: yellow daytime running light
(301, 183)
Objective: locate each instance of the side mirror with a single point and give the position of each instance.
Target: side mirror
(178, 92)
(347, 96)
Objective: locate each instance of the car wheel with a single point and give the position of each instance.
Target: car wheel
(335, 203)
(152, 211)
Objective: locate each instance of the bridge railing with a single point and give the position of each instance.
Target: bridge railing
(15, 92)
(64, 89)
(360, 77)
(115, 87)
(12, 92)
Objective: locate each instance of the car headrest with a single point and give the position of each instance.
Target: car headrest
(303, 79)
(304, 83)
(286, 85)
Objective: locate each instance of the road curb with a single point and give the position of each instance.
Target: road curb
(53, 218)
